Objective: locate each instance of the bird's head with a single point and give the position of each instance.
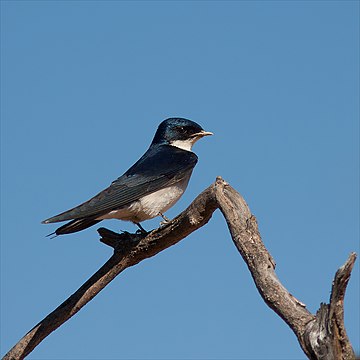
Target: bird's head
(179, 132)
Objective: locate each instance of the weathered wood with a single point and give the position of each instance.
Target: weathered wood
(325, 338)
(321, 337)
(245, 234)
(196, 215)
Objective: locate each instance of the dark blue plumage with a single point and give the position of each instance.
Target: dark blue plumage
(149, 188)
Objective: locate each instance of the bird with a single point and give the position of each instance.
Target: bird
(148, 188)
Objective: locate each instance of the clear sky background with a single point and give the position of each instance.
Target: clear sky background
(84, 86)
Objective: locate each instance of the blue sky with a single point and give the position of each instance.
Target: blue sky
(84, 85)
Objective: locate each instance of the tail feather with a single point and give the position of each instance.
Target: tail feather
(75, 225)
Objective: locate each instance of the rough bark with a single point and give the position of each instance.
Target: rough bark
(325, 337)
(321, 336)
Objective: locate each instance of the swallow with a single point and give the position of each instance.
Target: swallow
(149, 188)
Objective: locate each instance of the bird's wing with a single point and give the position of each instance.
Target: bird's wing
(158, 168)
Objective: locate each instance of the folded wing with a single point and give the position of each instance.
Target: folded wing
(159, 167)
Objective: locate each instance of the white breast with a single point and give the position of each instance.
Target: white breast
(149, 206)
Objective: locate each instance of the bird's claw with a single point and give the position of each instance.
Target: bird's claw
(166, 220)
(141, 230)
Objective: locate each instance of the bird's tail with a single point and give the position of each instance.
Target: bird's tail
(74, 226)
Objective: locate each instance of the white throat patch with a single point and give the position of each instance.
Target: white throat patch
(185, 144)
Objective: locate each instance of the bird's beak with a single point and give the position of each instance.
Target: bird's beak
(203, 133)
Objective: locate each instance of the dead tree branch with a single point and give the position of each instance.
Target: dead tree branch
(321, 337)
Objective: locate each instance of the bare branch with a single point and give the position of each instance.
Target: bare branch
(321, 337)
(325, 337)
(196, 215)
(245, 234)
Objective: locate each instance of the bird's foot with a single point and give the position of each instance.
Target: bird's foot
(166, 220)
(141, 230)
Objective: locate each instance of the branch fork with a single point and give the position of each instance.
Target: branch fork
(321, 336)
